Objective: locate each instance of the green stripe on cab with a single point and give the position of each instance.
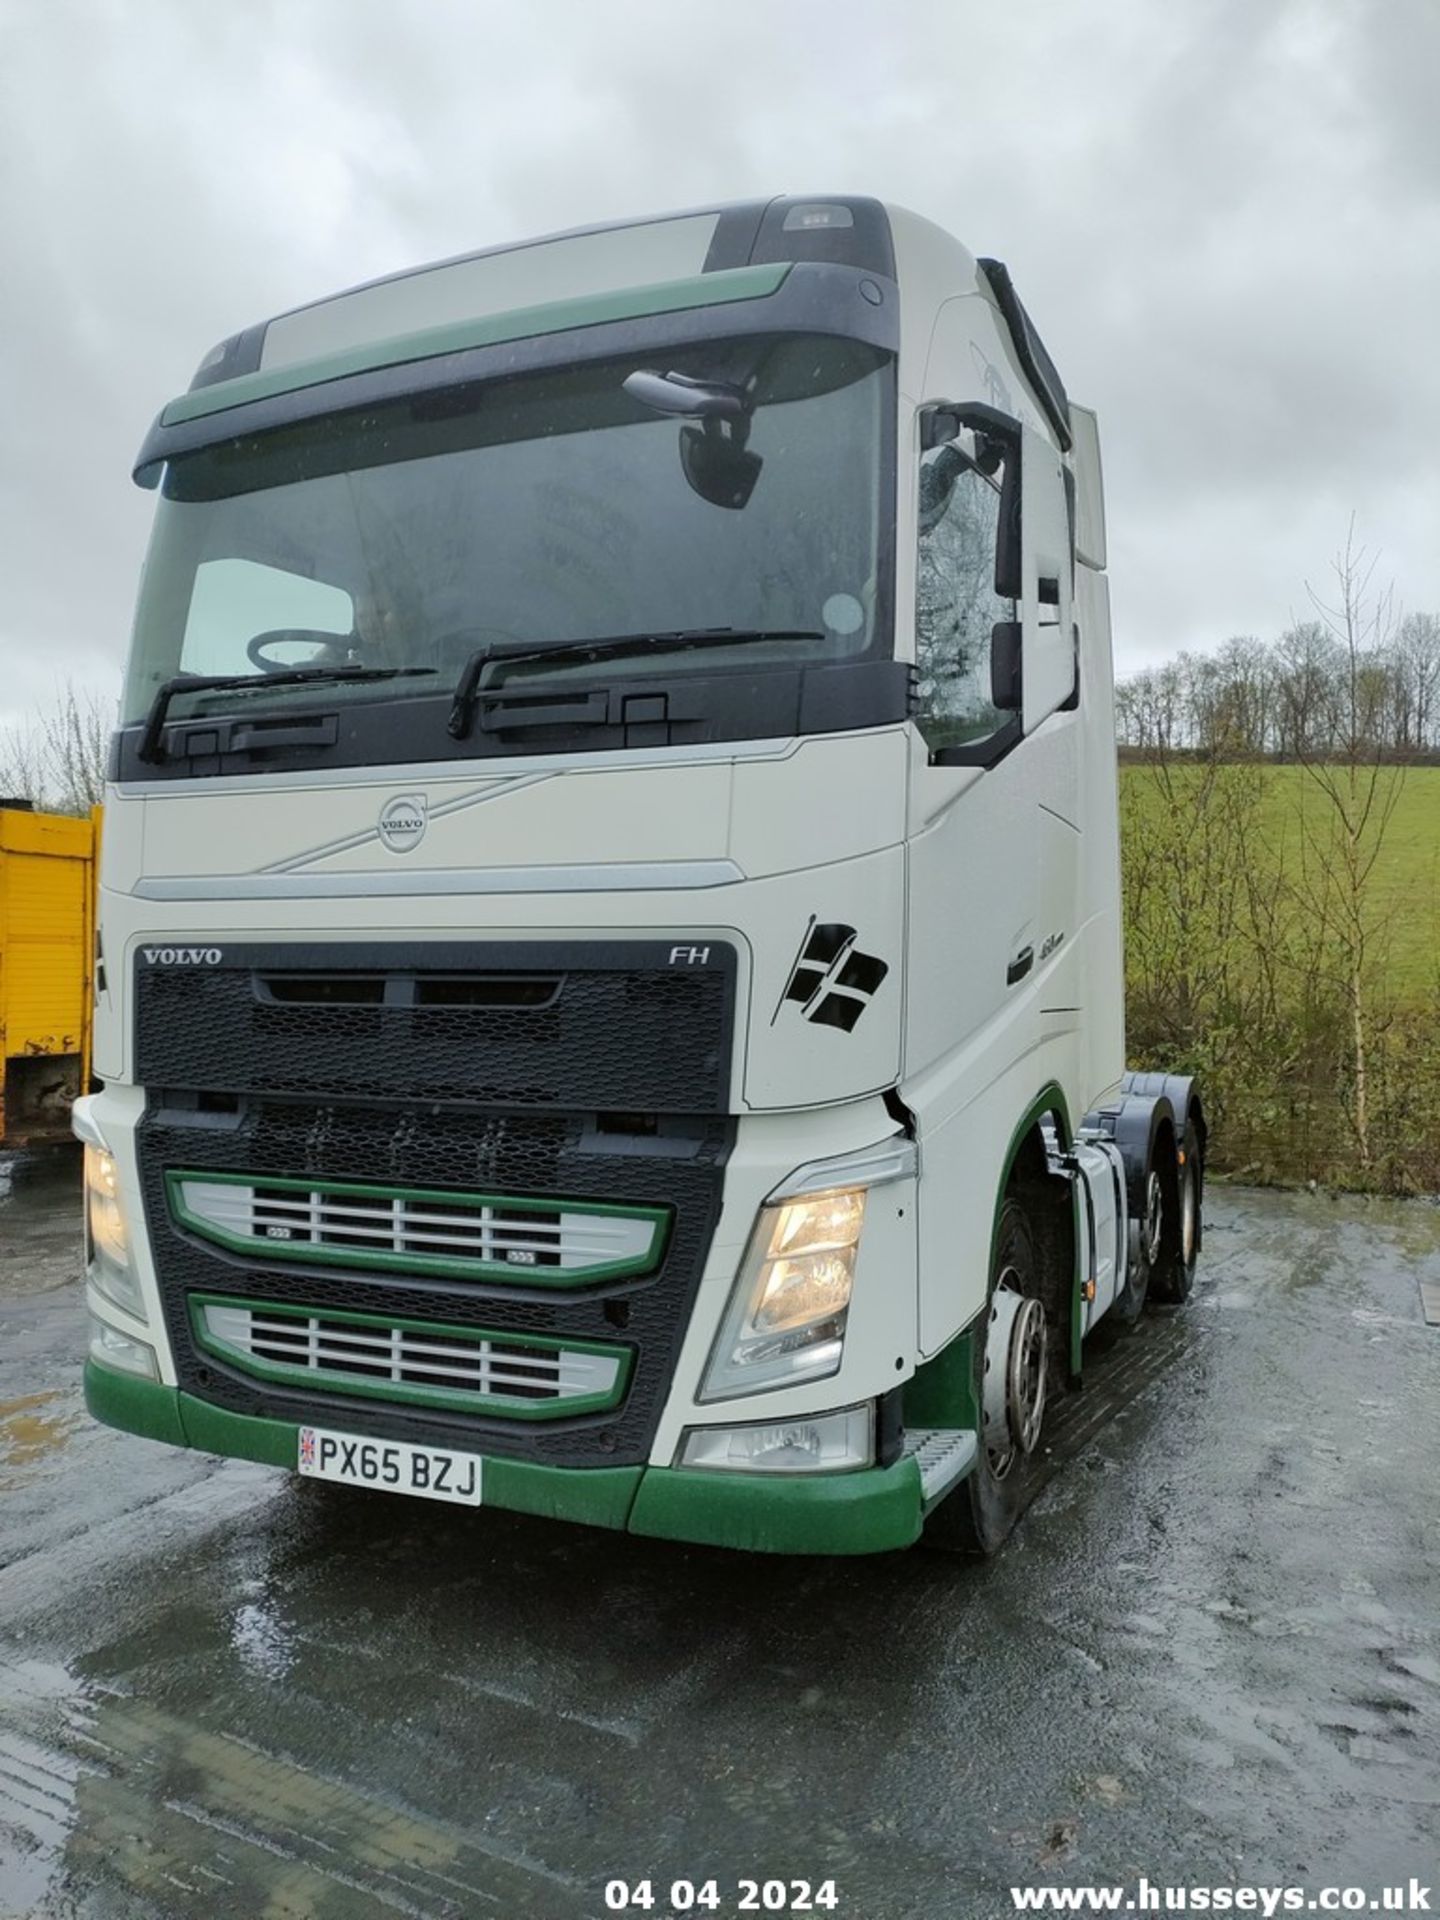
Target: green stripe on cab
(521, 323)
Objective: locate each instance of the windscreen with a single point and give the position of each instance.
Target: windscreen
(553, 508)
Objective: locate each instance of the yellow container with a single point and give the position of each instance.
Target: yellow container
(47, 946)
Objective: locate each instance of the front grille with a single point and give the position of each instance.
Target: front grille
(516, 1238)
(632, 1025)
(419, 1362)
(673, 1167)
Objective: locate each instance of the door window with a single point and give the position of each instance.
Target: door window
(956, 603)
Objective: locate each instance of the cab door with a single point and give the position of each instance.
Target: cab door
(1047, 620)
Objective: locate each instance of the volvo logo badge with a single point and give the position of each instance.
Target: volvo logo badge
(183, 956)
(403, 821)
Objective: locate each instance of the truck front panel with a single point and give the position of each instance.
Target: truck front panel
(594, 894)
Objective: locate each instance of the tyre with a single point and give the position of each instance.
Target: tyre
(1174, 1273)
(1145, 1245)
(1010, 1362)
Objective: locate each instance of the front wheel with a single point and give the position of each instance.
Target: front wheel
(1010, 1360)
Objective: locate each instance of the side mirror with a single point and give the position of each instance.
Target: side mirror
(937, 483)
(1005, 666)
(717, 466)
(712, 456)
(998, 438)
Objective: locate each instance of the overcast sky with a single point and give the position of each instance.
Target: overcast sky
(1224, 215)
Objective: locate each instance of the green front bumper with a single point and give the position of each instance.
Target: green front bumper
(872, 1511)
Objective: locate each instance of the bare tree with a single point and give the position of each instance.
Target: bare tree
(22, 774)
(1192, 835)
(1417, 671)
(1308, 668)
(1358, 786)
(1244, 696)
(1261, 906)
(1298, 697)
(57, 759)
(77, 741)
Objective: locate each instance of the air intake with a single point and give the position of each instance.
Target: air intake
(439, 1366)
(548, 1243)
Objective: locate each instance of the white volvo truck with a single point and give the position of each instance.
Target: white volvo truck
(609, 1000)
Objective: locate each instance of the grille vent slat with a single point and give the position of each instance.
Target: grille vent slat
(401, 990)
(335, 1352)
(303, 1221)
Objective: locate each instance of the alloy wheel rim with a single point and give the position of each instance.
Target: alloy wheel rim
(1154, 1216)
(1015, 1374)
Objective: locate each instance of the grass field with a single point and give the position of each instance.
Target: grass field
(1406, 887)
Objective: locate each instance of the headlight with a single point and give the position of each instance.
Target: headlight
(786, 1318)
(109, 1269)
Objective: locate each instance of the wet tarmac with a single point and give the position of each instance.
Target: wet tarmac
(1211, 1654)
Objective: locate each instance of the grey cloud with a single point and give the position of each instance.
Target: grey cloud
(1223, 215)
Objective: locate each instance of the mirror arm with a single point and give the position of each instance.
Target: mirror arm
(943, 421)
(681, 397)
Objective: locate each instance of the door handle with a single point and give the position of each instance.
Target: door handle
(1020, 966)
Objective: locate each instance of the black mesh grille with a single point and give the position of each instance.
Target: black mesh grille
(612, 1025)
(678, 1164)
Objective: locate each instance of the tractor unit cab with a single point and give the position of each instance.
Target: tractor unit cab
(610, 900)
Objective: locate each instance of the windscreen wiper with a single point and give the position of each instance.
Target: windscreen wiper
(149, 747)
(613, 646)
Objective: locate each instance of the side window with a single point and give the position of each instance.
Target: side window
(235, 601)
(956, 602)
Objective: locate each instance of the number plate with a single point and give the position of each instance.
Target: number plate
(393, 1466)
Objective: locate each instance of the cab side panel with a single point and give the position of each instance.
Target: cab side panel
(1000, 957)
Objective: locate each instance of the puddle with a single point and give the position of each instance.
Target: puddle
(44, 1733)
(261, 1637)
(28, 1434)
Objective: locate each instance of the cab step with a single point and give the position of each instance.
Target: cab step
(943, 1455)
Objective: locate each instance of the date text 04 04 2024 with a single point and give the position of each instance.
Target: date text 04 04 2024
(706, 1896)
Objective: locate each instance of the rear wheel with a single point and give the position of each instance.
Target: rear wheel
(1175, 1271)
(1143, 1249)
(1010, 1373)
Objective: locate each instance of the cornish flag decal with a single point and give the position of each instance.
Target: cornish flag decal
(832, 981)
